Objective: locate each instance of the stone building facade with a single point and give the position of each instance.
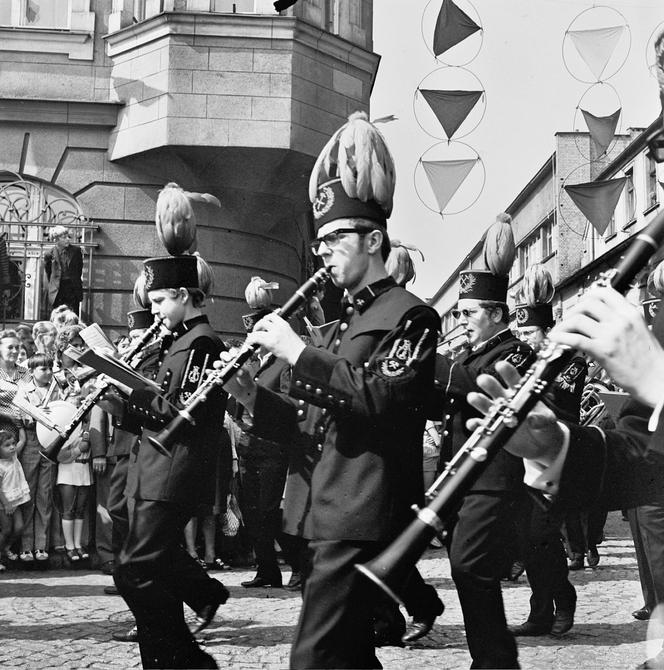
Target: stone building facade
(105, 101)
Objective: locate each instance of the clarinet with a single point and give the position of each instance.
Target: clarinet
(164, 440)
(51, 452)
(391, 568)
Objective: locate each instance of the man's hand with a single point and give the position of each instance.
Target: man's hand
(539, 437)
(612, 331)
(112, 403)
(275, 335)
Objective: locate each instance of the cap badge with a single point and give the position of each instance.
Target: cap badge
(466, 283)
(521, 315)
(149, 278)
(323, 202)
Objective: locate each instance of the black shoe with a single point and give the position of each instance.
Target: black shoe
(258, 582)
(577, 562)
(654, 663)
(592, 557)
(206, 615)
(643, 614)
(422, 624)
(111, 590)
(130, 635)
(295, 582)
(562, 623)
(107, 567)
(529, 629)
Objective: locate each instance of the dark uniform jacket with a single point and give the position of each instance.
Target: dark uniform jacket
(620, 468)
(188, 477)
(454, 380)
(125, 440)
(362, 434)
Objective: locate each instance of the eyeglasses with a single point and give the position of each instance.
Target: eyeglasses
(467, 313)
(332, 239)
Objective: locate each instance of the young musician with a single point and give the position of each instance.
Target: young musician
(155, 574)
(364, 394)
(553, 599)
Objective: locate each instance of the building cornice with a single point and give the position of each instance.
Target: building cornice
(205, 25)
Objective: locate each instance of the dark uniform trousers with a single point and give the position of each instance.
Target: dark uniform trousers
(263, 469)
(539, 524)
(360, 406)
(477, 537)
(155, 574)
(647, 525)
(122, 444)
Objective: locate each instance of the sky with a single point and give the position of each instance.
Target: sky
(530, 95)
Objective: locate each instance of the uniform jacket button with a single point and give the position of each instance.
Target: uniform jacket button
(307, 387)
(298, 382)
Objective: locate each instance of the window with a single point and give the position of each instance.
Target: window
(528, 253)
(630, 197)
(651, 182)
(610, 229)
(35, 13)
(546, 234)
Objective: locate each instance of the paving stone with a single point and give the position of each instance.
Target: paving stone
(62, 619)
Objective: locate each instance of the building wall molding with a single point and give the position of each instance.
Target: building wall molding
(63, 112)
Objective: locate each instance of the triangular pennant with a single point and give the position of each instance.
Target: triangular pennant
(602, 129)
(451, 107)
(596, 46)
(452, 26)
(597, 200)
(445, 177)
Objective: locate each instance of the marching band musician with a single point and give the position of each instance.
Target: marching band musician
(584, 466)
(155, 574)
(476, 539)
(553, 599)
(363, 392)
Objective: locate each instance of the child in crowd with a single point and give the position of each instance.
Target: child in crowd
(14, 492)
(43, 334)
(73, 486)
(63, 316)
(38, 471)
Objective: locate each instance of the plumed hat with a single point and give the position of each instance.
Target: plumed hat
(538, 290)
(176, 229)
(354, 175)
(498, 253)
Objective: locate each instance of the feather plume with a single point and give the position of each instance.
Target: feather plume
(258, 293)
(140, 294)
(358, 156)
(399, 263)
(175, 219)
(205, 276)
(499, 247)
(203, 197)
(537, 286)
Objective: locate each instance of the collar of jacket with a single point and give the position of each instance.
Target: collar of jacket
(502, 336)
(185, 326)
(368, 294)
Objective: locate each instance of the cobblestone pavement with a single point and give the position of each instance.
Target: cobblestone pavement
(62, 619)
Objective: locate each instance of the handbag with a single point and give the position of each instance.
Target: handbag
(233, 516)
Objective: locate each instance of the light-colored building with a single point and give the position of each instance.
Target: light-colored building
(550, 229)
(102, 102)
